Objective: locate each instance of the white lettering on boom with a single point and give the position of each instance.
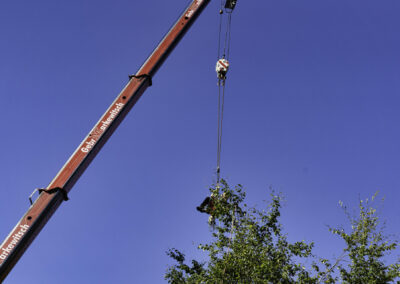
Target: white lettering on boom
(5, 251)
(88, 145)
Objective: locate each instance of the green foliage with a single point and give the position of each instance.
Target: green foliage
(365, 248)
(249, 246)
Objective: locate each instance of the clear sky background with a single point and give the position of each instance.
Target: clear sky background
(312, 109)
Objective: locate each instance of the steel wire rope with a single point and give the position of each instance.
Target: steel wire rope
(221, 11)
(221, 83)
(227, 39)
(218, 134)
(221, 104)
(229, 27)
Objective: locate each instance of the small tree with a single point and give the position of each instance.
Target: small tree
(366, 246)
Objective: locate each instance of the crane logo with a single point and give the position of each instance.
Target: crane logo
(189, 14)
(104, 124)
(15, 239)
(111, 117)
(191, 11)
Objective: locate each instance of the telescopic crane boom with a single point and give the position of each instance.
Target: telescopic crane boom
(57, 191)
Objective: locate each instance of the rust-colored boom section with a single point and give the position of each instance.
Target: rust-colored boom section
(50, 198)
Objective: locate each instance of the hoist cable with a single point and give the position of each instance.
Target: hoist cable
(221, 11)
(229, 33)
(222, 118)
(218, 134)
(221, 81)
(227, 40)
(221, 104)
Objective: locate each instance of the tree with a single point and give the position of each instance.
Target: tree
(249, 246)
(366, 246)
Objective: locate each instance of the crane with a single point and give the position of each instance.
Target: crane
(50, 198)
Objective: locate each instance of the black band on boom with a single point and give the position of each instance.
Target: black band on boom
(54, 190)
(142, 76)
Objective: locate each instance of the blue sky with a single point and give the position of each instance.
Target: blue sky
(311, 110)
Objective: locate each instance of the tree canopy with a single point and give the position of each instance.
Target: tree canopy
(249, 246)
